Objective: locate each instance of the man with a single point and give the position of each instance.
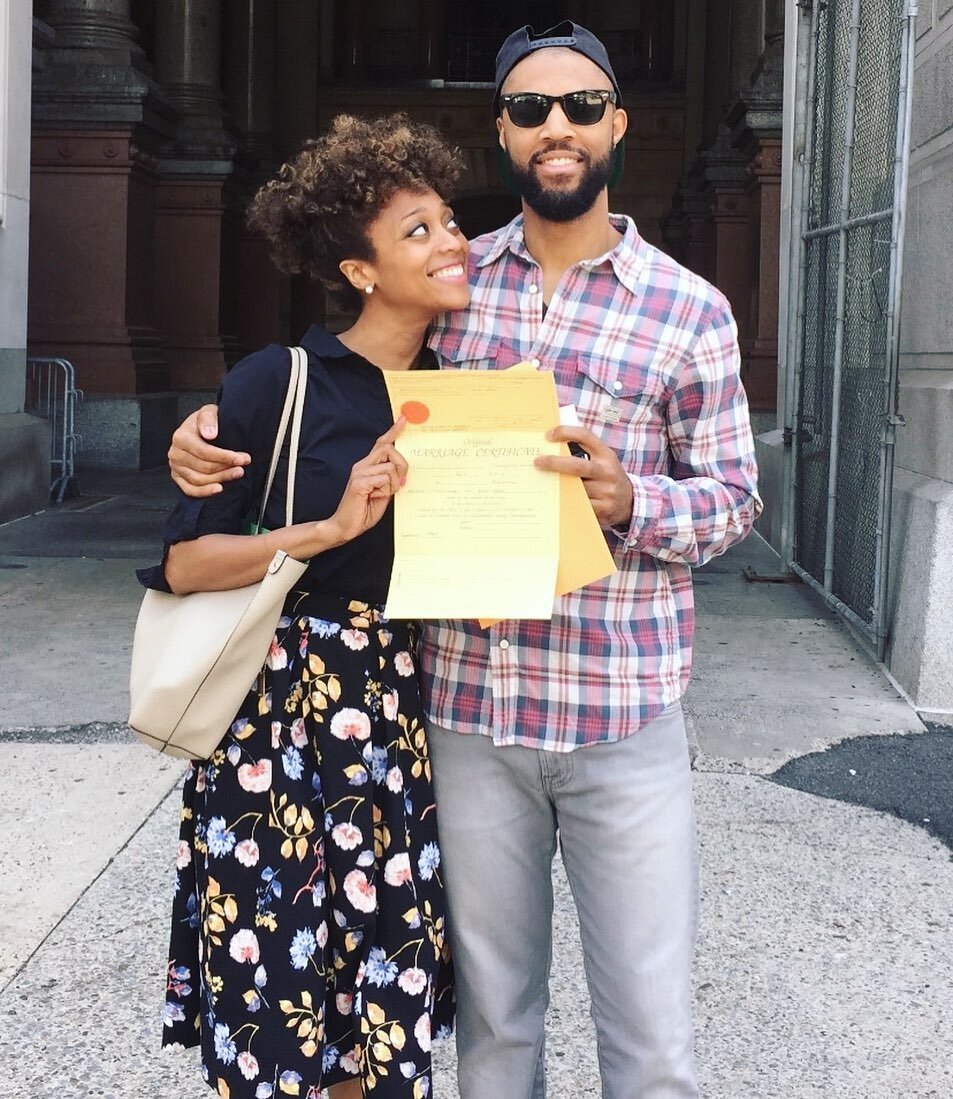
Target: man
(573, 729)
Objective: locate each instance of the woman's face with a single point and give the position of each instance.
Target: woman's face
(420, 255)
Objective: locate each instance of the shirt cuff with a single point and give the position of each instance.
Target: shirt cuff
(638, 533)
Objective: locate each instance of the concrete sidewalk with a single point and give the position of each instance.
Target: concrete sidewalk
(826, 954)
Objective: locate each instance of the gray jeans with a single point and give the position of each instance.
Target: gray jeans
(625, 821)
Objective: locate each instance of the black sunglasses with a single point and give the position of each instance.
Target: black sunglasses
(528, 109)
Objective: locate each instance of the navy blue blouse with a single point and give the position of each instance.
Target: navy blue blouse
(346, 409)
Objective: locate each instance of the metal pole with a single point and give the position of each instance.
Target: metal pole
(852, 223)
(849, 127)
(892, 373)
(802, 168)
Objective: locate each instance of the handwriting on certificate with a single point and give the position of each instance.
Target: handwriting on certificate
(476, 525)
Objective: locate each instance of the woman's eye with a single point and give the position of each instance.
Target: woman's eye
(418, 230)
(453, 223)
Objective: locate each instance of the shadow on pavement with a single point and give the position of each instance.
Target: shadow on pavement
(910, 776)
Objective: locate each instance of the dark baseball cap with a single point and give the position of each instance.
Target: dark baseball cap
(567, 34)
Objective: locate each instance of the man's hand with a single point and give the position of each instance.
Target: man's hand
(606, 483)
(198, 467)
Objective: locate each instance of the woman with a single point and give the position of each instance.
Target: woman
(308, 945)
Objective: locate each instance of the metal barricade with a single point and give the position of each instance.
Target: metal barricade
(51, 393)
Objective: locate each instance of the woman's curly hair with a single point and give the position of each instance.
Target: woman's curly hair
(318, 209)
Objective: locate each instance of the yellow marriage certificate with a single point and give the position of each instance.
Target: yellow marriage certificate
(476, 526)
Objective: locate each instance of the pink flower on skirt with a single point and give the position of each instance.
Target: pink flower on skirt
(255, 777)
(248, 1065)
(277, 657)
(397, 869)
(360, 892)
(422, 1032)
(244, 947)
(247, 853)
(347, 836)
(391, 701)
(355, 639)
(350, 724)
(413, 981)
(404, 664)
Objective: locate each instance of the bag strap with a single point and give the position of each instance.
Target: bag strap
(291, 414)
(302, 362)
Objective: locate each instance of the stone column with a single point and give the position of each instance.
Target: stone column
(725, 179)
(98, 122)
(195, 220)
(249, 74)
(760, 350)
(249, 78)
(746, 41)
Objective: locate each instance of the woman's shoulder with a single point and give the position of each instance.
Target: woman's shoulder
(258, 372)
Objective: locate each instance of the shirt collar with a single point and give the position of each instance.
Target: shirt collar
(626, 259)
(324, 344)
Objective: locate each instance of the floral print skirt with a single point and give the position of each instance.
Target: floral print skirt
(309, 938)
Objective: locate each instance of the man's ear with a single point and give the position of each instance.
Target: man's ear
(620, 123)
(499, 132)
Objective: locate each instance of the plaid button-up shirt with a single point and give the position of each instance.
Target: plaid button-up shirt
(648, 354)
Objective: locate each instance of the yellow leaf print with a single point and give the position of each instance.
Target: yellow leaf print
(287, 849)
(315, 664)
(306, 998)
(381, 1052)
(334, 688)
(301, 848)
(375, 1014)
(397, 1036)
(309, 1048)
(231, 909)
(223, 1089)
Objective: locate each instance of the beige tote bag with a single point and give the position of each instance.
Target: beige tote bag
(196, 656)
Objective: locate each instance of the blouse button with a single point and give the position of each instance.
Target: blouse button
(504, 644)
(534, 289)
(534, 363)
(617, 386)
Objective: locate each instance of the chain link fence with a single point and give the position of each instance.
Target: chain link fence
(860, 58)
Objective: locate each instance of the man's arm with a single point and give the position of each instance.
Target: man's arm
(197, 466)
(710, 498)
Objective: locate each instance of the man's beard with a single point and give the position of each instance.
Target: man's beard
(560, 204)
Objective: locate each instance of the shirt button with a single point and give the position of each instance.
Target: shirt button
(534, 362)
(534, 289)
(617, 386)
(504, 644)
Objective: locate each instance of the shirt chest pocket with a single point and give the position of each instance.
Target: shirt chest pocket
(623, 403)
(474, 351)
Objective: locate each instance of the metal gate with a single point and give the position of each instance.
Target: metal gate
(854, 123)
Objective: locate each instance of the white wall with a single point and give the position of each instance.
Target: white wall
(16, 51)
(921, 653)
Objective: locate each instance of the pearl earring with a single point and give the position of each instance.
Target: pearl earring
(369, 289)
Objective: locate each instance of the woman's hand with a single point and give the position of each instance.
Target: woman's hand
(373, 482)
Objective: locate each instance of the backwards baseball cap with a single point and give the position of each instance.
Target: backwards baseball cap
(567, 34)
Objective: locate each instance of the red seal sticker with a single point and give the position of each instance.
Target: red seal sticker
(415, 412)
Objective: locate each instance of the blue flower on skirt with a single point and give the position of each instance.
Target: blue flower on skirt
(292, 763)
(429, 861)
(378, 763)
(379, 970)
(331, 1054)
(224, 1046)
(219, 839)
(303, 945)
